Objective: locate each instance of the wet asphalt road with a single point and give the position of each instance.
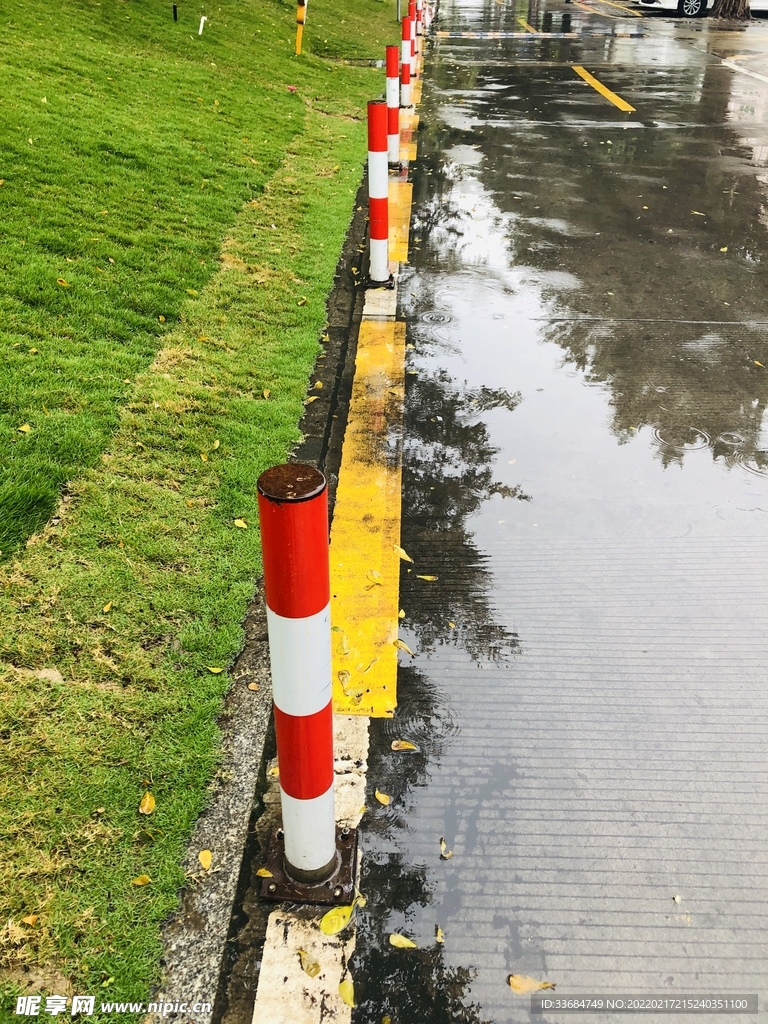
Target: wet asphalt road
(586, 473)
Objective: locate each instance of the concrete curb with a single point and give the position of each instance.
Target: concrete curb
(194, 938)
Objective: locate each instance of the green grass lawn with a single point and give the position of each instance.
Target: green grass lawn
(171, 215)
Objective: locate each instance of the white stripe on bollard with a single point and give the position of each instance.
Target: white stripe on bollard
(301, 685)
(379, 260)
(309, 830)
(378, 176)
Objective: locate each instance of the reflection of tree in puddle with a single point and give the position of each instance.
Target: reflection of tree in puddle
(447, 477)
(704, 392)
(413, 984)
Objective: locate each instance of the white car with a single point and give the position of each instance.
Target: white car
(696, 8)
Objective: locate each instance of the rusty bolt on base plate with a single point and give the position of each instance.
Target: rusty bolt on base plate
(337, 890)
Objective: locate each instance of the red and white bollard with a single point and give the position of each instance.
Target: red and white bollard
(393, 105)
(378, 191)
(419, 17)
(405, 69)
(293, 510)
(412, 20)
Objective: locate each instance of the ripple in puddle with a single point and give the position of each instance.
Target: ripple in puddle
(436, 317)
(689, 439)
(754, 462)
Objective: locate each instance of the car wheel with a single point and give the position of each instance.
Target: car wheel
(691, 8)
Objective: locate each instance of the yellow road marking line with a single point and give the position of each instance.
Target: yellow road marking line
(416, 88)
(527, 27)
(400, 195)
(365, 567)
(621, 7)
(603, 90)
(594, 10)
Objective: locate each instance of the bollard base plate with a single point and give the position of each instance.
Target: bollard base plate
(338, 890)
(390, 283)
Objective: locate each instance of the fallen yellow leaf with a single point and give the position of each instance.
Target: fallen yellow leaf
(302, 301)
(402, 554)
(266, 393)
(401, 942)
(205, 857)
(401, 614)
(141, 880)
(203, 456)
(191, 291)
(452, 624)
(724, 249)
(439, 936)
(403, 646)
(758, 363)
(347, 992)
(107, 608)
(696, 212)
(383, 798)
(241, 524)
(523, 985)
(24, 429)
(312, 398)
(31, 920)
(343, 646)
(430, 578)
(61, 281)
(147, 804)
(253, 686)
(318, 385)
(214, 670)
(274, 771)
(445, 853)
(216, 444)
(403, 745)
(336, 920)
(375, 578)
(308, 965)
(264, 873)
(161, 318)
(33, 351)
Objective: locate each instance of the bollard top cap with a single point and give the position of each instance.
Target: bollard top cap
(292, 481)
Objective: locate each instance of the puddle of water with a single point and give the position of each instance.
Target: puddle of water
(586, 474)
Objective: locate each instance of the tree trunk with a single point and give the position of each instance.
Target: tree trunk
(735, 10)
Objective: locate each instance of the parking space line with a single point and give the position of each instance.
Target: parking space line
(602, 89)
(744, 71)
(527, 27)
(621, 7)
(600, 14)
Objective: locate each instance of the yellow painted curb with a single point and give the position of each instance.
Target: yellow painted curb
(365, 565)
